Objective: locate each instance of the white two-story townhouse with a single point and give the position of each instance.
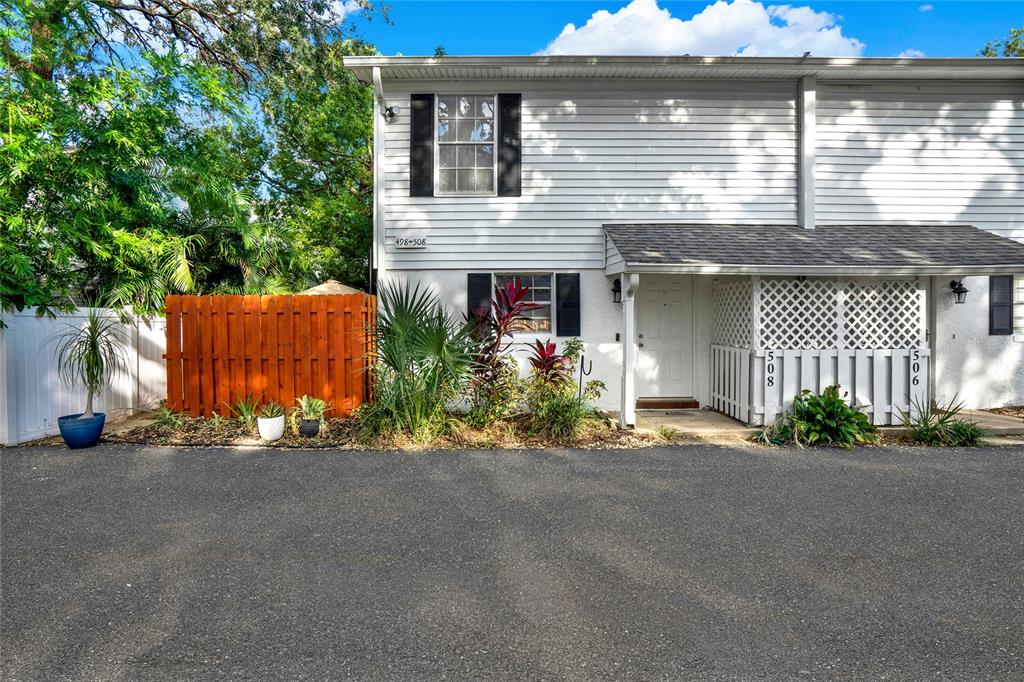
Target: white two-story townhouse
(722, 232)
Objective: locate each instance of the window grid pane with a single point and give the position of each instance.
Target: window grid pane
(538, 319)
(465, 137)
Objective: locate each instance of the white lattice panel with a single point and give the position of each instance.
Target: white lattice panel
(733, 306)
(798, 314)
(882, 314)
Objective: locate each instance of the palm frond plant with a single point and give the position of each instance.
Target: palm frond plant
(89, 356)
(423, 361)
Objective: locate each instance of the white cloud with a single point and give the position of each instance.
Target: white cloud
(926, 8)
(911, 54)
(740, 27)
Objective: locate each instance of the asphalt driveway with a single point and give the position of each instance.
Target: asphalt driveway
(694, 562)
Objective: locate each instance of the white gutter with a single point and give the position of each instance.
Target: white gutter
(379, 105)
(820, 270)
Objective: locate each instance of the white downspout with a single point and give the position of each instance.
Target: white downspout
(379, 148)
(627, 411)
(806, 124)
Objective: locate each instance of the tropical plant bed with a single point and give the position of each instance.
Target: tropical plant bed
(343, 434)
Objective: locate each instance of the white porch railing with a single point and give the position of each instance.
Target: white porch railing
(730, 381)
(883, 383)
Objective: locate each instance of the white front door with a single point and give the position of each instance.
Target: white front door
(664, 336)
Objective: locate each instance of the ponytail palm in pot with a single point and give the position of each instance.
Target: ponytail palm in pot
(88, 357)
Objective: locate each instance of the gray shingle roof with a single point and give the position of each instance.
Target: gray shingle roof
(920, 249)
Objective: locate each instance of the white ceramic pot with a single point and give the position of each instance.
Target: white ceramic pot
(271, 428)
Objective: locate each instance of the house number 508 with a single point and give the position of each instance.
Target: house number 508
(769, 368)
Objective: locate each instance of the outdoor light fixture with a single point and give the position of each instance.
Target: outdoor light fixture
(959, 290)
(391, 112)
(616, 290)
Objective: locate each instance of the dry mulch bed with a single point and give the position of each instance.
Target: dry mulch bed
(1010, 411)
(342, 434)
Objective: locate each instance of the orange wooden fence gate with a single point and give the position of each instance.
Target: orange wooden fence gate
(223, 348)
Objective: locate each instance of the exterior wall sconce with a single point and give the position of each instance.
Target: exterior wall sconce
(959, 290)
(391, 112)
(616, 290)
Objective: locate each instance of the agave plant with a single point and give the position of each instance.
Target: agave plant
(423, 360)
(90, 356)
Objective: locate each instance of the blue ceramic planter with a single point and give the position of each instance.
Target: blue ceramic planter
(81, 433)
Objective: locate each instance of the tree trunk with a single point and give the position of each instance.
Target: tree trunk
(88, 406)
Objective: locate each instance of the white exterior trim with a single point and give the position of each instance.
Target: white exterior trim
(814, 270)
(379, 185)
(806, 107)
(627, 410)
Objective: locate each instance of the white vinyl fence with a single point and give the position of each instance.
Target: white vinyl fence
(32, 396)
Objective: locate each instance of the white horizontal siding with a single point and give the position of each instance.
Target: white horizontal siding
(597, 152)
(935, 152)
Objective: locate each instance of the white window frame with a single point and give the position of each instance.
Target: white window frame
(551, 301)
(437, 148)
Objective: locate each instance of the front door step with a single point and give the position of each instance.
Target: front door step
(667, 404)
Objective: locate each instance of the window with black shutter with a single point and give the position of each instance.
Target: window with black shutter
(421, 146)
(1000, 305)
(567, 304)
(478, 289)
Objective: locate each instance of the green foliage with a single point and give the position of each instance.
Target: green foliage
(244, 411)
(941, 426)
(312, 408)
(165, 416)
(825, 420)
(501, 397)
(424, 361)
(90, 355)
(216, 421)
(271, 410)
(828, 420)
(146, 150)
(557, 408)
(666, 432)
(1012, 46)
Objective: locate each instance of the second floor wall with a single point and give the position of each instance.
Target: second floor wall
(598, 151)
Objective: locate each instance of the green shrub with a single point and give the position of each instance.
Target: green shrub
(825, 419)
(312, 408)
(500, 397)
(244, 410)
(423, 361)
(941, 426)
(557, 408)
(271, 410)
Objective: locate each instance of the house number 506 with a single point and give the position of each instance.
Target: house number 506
(915, 368)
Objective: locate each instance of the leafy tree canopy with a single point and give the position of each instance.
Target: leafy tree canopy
(1012, 46)
(150, 147)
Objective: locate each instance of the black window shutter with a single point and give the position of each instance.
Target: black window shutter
(421, 146)
(567, 301)
(478, 288)
(1000, 305)
(510, 146)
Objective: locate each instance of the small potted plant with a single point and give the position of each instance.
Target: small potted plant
(271, 421)
(88, 357)
(312, 411)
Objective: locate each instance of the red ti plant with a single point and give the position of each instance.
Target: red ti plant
(493, 329)
(549, 366)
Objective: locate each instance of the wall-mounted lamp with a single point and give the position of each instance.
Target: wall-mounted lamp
(959, 290)
(391, 112)
(616, 290)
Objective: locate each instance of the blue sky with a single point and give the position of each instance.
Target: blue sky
(870, 28)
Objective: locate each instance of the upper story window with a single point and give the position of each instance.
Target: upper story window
(465, 144)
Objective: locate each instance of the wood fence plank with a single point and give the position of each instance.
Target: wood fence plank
(269, 328)
(190, 349)
(337, 353)
(253, 366)
(236, 349)
(222, 349)
(173, 356)
(305, 321)
(323, 377)
(204, 322)
(286, 336)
